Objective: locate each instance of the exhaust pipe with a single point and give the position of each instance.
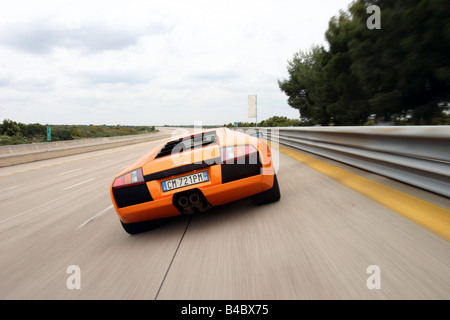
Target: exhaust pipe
(185, 205)
(183, 202)
(197, 202)
(189, 204)
(194, 199)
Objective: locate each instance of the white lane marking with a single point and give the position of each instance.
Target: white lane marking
(95, 217)
(79, 184)
(63, 173)
(8, 188)
(31, 210)
(106, 161)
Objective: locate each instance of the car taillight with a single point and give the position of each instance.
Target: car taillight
(232, 153)
(128, 179)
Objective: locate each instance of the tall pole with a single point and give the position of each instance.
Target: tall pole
(256, 110)
(252, 107)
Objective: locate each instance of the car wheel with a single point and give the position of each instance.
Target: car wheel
(271, 195)
(138, 227)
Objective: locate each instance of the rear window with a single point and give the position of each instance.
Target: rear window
(188, 143)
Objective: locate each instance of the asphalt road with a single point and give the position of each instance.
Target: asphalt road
(317, 242)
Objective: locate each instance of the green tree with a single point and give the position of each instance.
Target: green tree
(10, 128)
(304, 88)
(404, 67)
(398, 73)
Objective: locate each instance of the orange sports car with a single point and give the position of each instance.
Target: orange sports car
(193, 174)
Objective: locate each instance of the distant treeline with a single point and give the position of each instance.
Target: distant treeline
(12, 132)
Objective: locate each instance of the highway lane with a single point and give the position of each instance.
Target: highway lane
(315, 243)
(46, 226)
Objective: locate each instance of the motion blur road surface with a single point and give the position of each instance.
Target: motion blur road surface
(317, 242)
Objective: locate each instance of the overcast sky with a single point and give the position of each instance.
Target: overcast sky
(152, 62)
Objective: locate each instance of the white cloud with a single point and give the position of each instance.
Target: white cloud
(152, 62)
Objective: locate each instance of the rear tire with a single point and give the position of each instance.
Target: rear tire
(138, 227)
(268, 196)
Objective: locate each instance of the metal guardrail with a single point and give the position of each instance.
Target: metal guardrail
(417, 155)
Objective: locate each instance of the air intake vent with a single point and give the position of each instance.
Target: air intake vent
(187, 143)
(167, 149)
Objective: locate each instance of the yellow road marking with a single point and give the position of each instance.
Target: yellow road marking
(428, 215)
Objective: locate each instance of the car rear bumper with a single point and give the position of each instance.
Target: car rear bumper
(162, 205)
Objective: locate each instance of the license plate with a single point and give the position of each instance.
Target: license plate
(185, 181)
